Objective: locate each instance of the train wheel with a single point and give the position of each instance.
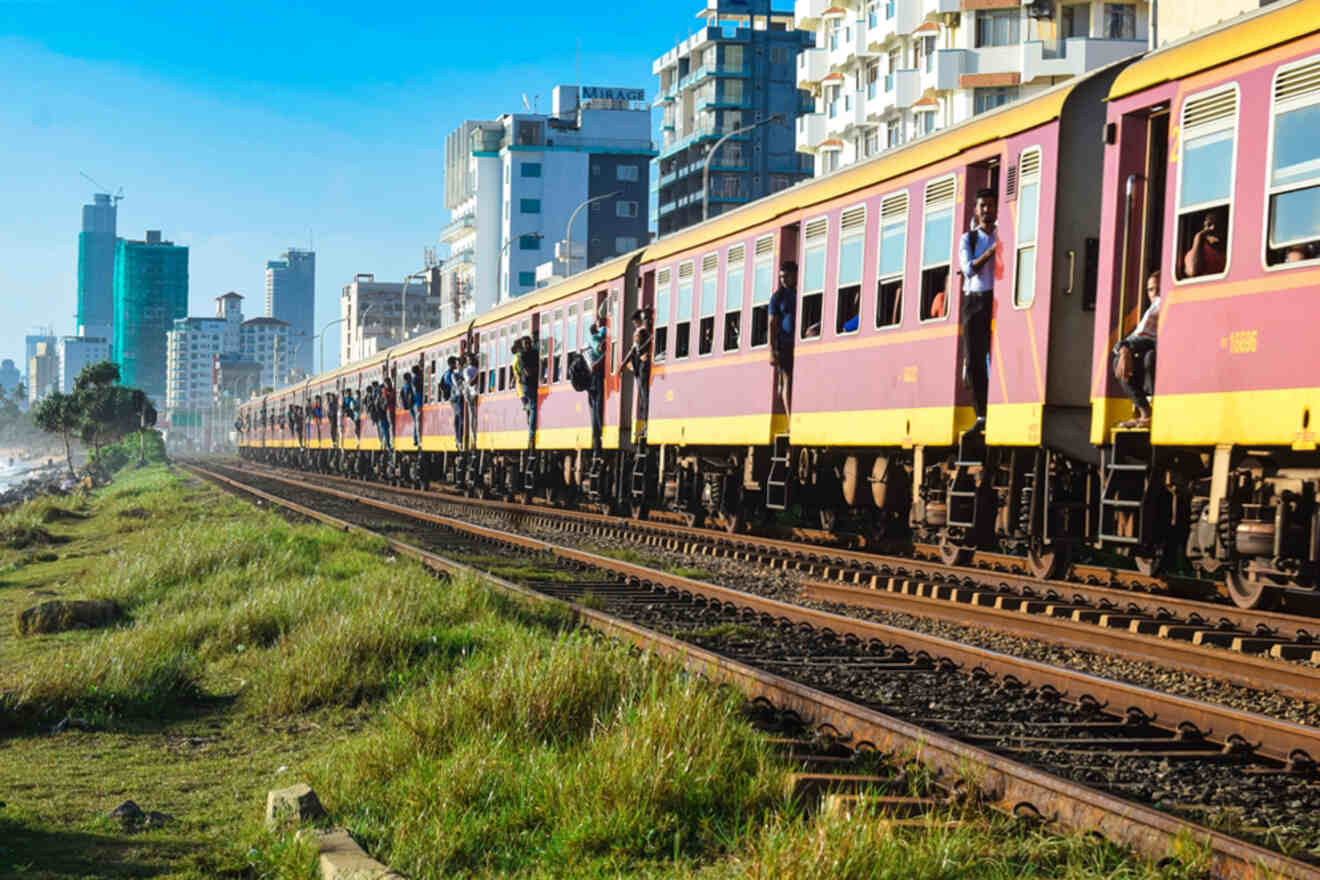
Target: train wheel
(1248, 590)
(1047, 561)
(952, 554)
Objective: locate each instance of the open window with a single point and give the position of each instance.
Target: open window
(710, 280)
(547, 342)
(763, 285)
(663, 289)
(502, 358)
(557, 357)
(891, 260)
(735, 268)
(571, 342)
(1205, 183)
(815, 242)
(1028, 199)
(1293, 212)
(683, 310)
(852, 251)
(937, 247)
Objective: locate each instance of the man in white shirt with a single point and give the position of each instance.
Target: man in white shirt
(1134, 358)
(976, 257)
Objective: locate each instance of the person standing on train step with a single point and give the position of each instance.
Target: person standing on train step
(471, 387)
(783, 320)
(638, 360)
(451, 389)
(408, 400)
(332, 409)
(387, 404)
(596, 390)
(1134, 358)
(979, 263)
(528, 377)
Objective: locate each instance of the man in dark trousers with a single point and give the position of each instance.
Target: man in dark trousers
(638, 359)
(596, 391)
(451, 386)
(977, 259)
(783, 319)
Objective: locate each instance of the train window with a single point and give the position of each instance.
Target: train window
(662, 297)
(891, 259)
(501, 355)
(734, 270)
(937, 247)
(814, 243)
(487, 379)
(546, 343)
(571, 328)
(710, 280)
(1205, 183)
(557, 356)
(1293, 219)
(763, 285)
(1024, 278)
(588, 318)
(683, 310)
(852, 251)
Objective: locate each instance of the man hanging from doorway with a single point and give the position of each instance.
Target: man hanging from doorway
(638, 359)
(979, 264)
(783, 319)
(596, 390)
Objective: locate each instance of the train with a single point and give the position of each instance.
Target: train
(1102, 181)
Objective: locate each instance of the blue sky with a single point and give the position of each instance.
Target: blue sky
(241, 129)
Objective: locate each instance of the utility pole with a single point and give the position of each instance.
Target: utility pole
(568, 232)
(705, 171)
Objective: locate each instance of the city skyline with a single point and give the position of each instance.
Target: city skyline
(339, 166)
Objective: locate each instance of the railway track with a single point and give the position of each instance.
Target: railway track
(1140, 766)
(1214, 640)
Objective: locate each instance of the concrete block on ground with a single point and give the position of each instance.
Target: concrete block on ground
(57, 615)
(342, 859)
(296, 804)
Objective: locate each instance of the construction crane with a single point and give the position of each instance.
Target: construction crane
(117, 196)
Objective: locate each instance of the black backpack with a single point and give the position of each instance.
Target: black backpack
(406, 397)
(579, 373)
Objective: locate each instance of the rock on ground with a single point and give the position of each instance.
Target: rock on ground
(58, 615)
(296, 804)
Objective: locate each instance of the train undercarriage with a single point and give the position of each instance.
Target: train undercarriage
(1252, 516)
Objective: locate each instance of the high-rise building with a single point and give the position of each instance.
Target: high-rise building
(77, 352)
(10, 376)
(736, 71)
(266, 341)
(194, 344)
(374, 316)
(151, 291)
(96, 268)
(291, 297)
(513, 184)
(43, 370)
(885, 72)
(35, 335)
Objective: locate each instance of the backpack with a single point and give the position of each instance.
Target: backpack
(406, 397)
(446, 385)
(579, 373)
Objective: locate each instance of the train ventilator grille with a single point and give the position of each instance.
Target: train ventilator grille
(817, 229)
(1030, 165)
(737, 254)
(765, 245)
(685, 270)
(941, 193)
(1209, 113)
(710, 263)
(894, 207)
(662, 277)
(1300, 82)
(854, 219)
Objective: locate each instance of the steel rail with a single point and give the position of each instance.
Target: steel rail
(1002, 782)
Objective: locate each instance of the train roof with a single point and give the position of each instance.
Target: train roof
(1237, 38)
(983, 128)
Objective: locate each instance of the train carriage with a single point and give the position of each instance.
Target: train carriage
(1225, 126)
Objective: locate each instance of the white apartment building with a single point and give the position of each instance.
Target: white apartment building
(512, 185)
(375, 316)
(266, 341)
(885, 72)
(43, 369)
(190, 352)
(77, 352)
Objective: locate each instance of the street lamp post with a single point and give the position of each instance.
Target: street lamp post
(705, 171)
(568, 231)
(403, 303)
(322, 335)
(505, 249)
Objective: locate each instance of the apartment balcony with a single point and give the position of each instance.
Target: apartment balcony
(458, 228)
(950, 65)
(810, 131)
(812, 67)
(1073, 56)
(882, 27)
(858, 116)
(907, 87)
(807, 13)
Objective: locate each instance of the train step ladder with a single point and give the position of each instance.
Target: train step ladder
(963, 488)
(776, 482)
(1125, 474)
(637, 480)
(529, 471)
(595, 473)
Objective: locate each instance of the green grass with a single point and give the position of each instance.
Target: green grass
(456, 731)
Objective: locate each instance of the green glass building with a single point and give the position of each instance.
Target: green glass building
(151, 290)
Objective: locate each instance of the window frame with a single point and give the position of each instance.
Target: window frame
(729, 266)
(524, 203)
(1017, 223)
(838, 268)
(774, 251)
(661, 321)
(1269, 189)
(901, 275)
(800, 326)
(699, 297)
(691, 262)
(1175, 270)
(953, 233)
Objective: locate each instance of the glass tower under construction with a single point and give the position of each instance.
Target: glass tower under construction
(151, 290)
(96, 267)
